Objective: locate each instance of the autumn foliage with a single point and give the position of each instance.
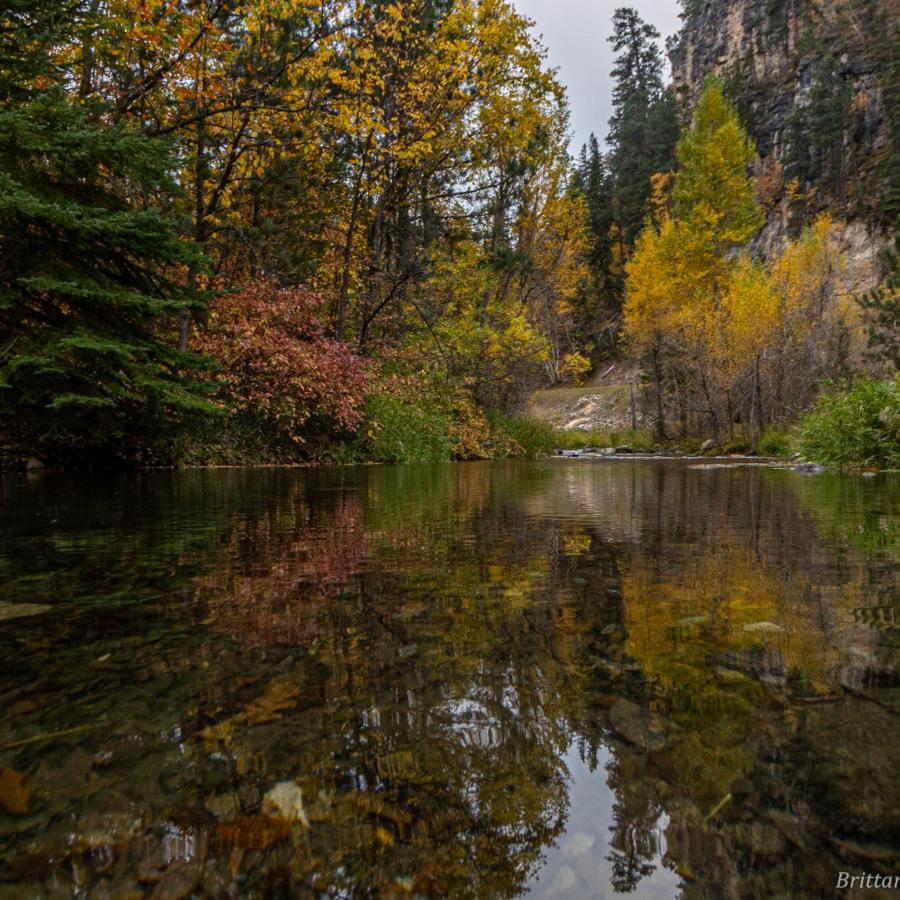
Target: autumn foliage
(732, 344)
(276, 360)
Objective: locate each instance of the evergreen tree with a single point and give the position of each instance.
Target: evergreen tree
(883, 306)
(89, 275)
(644, 125)
(29, 29)
(713, 191)
(825, 123)
(638, 66)
(592, 180)
(599, 299)
(887, 55)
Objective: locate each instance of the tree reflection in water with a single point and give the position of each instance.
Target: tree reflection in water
(567, 677)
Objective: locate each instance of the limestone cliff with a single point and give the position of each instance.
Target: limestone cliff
(809, 79)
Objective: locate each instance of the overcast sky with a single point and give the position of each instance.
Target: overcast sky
(574, 33)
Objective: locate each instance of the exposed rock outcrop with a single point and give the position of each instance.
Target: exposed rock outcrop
(778, 59)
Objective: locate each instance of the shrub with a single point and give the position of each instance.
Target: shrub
(774, 442)
(856, 427)
(276, 361)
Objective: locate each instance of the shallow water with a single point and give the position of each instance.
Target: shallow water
(570, 678)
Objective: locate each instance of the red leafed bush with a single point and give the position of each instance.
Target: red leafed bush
(277, 361)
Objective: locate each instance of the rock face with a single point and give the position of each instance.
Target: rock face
(772, 56)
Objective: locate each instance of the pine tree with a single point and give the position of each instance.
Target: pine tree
(89, 276)
(826, 123)
(887, 54)
(593, 181)
(714, 194)
(883, 307)
(644, 125)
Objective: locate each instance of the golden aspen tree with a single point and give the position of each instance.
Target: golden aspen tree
(687, 281)
(653, 303)
(817, 321)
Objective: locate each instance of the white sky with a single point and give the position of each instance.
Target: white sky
(574, 33)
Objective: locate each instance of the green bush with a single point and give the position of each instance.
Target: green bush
(774, 442)
(856, 427)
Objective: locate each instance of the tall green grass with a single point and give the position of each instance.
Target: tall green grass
(536, 438)
(859, 427)
(401, 432)
(579, 440)
(774, 442)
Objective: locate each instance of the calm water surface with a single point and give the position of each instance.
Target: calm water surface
(564, 679)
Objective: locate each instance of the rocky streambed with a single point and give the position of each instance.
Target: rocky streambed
(702, 461)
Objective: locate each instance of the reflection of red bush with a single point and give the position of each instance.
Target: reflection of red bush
(276, 358)
(274, 599)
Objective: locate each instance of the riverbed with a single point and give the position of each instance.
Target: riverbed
(566, 678)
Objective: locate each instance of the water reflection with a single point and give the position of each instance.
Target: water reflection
(576, 679)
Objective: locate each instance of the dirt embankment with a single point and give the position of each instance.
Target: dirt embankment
(609, 403)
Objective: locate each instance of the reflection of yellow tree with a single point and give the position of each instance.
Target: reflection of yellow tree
(417, 648)
(709, 635)
(674, 627)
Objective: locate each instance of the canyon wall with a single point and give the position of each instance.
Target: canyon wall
(808, 78)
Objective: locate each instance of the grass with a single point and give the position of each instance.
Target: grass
(579, 440)
(775, 442)
(855, 428)
(402, 432)
(536, 438)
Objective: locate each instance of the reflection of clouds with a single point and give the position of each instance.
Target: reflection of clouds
(473, 723)
(582, 864)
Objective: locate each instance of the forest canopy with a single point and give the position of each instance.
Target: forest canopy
(271, 231)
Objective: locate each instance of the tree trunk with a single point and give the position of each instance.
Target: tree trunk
(199, 224)
(657, 385)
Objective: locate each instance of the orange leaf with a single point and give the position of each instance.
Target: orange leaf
(15, 794)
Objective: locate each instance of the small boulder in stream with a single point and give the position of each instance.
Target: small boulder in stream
(637, 725)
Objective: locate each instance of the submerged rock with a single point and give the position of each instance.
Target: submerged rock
(764, 627)
(17, 610)
(285, 801)
(637, 726)
(15, 793)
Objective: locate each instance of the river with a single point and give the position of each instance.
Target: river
(565, 678)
